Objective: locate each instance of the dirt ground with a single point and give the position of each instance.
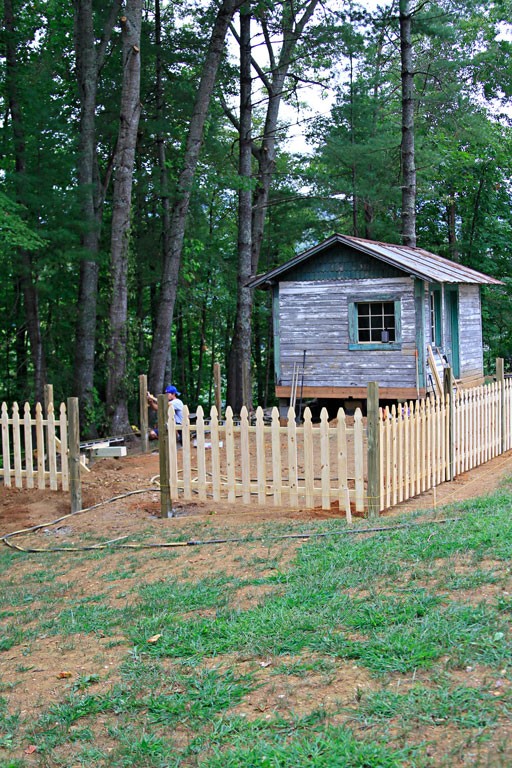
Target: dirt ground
(137, 474)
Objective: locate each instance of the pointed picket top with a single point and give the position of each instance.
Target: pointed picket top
(309, 460)
(244, 413)
(260, 456)
(214, 414)
(359, 460)
(276, 456)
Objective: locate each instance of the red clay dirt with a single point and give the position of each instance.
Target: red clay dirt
(137, 474)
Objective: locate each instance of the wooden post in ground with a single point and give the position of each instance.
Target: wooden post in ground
(500, 377)
(48, 397)
(448, 390)
(373, 434)
(216, 389)
(143, 413)
(75, 484)
(163, 450)
(48, 400)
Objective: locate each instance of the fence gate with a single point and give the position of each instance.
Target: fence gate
(34, 448)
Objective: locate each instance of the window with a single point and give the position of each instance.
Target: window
(435, 318)
(376, 322)
(375, 325)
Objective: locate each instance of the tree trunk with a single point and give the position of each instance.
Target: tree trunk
(122, 196)
(88, 65)
(172, 258)
(407, 147)
(26, 278)
(239, 391)
(452, 229)
(266, 155)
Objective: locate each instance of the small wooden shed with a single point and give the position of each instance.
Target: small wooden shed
(349, 311)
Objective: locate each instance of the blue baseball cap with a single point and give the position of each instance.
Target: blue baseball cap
(171, 390)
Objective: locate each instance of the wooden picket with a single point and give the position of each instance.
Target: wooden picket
(417, 441)
(45, 465)
(298, 465)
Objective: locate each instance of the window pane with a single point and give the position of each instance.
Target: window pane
(376, 322)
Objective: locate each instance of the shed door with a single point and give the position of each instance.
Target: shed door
(452, 307)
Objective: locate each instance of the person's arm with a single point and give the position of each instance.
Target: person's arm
(152, 401)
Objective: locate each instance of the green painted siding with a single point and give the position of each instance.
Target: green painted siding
(341, 263)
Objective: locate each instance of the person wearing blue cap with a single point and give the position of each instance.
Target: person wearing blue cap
(173, 397)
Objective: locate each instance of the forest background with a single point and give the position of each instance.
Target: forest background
(147, 172)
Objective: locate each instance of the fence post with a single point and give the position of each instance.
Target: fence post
(48, 400)
(143, 412)
(449, 401)
(500, 377)
(216, 389)
(75, 484)
(163, 450)
(372, 427)
(48, 397)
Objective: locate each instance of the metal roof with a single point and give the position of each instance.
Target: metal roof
(414, 261)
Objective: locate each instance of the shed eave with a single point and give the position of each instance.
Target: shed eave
(415, 262)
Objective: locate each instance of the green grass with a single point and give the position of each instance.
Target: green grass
(200, 681)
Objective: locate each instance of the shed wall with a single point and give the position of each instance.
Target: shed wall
(313, 316)
(470, 332)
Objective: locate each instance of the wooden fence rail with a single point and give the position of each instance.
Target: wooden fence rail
(419, 445)
(34, 448)
(425, 443)
(309, 465)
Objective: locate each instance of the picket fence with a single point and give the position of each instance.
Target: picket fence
(310, 465)
(420, 445)
(425, 443)
(35, 448)
(327, 465)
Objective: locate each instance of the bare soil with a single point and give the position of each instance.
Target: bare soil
(138, 474)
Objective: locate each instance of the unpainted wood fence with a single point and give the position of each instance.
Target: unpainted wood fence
(309, 465)
(349, 463)
(425, 443)
(35, 447)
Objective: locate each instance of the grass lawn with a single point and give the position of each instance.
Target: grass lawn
(373, 650)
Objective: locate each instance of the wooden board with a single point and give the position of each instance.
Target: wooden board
(115, 451)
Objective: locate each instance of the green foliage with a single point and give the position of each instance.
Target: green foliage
(350, 182)
(15, 234)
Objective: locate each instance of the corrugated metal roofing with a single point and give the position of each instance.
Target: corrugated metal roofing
(414, 261)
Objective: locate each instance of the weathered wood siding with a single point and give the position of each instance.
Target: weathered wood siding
(470, 332)
(313, 316)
